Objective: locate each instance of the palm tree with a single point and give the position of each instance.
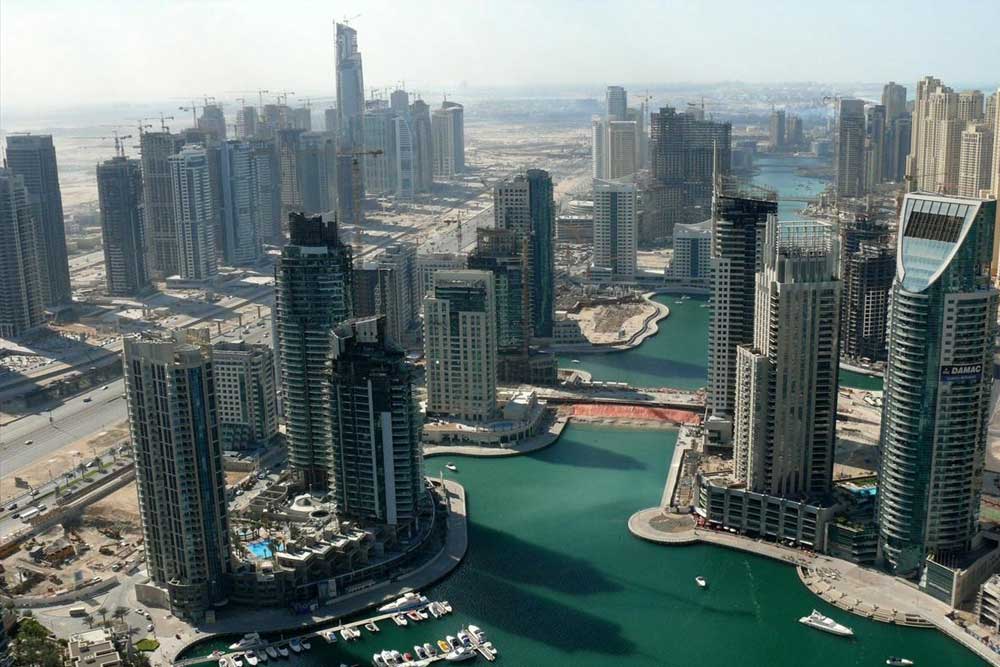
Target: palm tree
(89, 620)
(103, 613)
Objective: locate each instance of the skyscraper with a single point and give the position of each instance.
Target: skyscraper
(313, 294)
(350, 117)
(288, 144)
(867, 265)
(21, 304)
(443, 145)
(404, 154)
(622, 150)
(380, 135)
(240, 196)
(317, 163)
(616, 102)
(849, 150)
(616, 231)
(158, 202)
(423, 152)
(739, 218)
(786, 381)
(460, 345)
(777, 130)
(894, 100)
(598, 147)
(396, 293)
(686, 154)
(33, 157)
(301, 118)
(975, 163)
(119, 191)
(171, 394)
(875, 136)
(213, 121)
(246, 395)
(794, 137)
(505, 253)
(194, 214)
(246, 122)
(268, 191)
(399, 101)
(525, 205)
(942, 326)
(378, 475)
(897, 147)
(456, 112)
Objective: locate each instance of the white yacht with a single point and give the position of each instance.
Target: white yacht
(452, 467)
(251, 657)
(430, 650)
(249, 640)
(479, 634)
(826, 624)
(404, 603)
(377, 660)
(460, 655)
(701, 581)
(295, 645)
(898, 662)
(237, 661)
(271, 652)
(282, 651)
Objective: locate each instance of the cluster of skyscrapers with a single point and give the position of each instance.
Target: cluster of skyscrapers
(786, 297)
(785, 132)
(34, 271)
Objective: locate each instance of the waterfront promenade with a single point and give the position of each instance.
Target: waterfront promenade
(526, 446)
(273, 620)
(861, 591)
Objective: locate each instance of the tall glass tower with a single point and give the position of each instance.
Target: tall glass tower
(942, 327)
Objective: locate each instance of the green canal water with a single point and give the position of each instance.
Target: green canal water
(554, 577)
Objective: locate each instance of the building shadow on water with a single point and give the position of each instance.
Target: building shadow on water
(588, 456)
(534, 565)
(518, 611)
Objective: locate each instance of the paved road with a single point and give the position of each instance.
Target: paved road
(76, 418)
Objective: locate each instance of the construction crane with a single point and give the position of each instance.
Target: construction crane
(356, 186)
(208, 99)
(142, 125)
(282, 97)
(347, 19)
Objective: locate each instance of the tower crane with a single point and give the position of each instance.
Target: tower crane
(356, 186)
(208, 99)
(282, 97)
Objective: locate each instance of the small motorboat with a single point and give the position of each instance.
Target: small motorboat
(701, 581)
(575, 361)
(237, 661)
(271, 652)
(262, 655)
(223, 662)
(414, 616)
(306, 645)
(452, 467)
(447, 606)
(407, 657)
(479, 634)
(826, 624)
(444, 646)
(295, 645)
(251, 658)
(399, 620)
(898, 662)
(346, 634)
(371, 627)
(331, 636)
(283, 651)
(377, 660)
(453, 642)
(491, 648)
(433, 609)
(419, 651)
(430, 650)
(464, 637)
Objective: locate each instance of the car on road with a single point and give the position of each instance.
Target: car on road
(29, 442)
(149, 628)
(104, 388)
(15, 515)
(34, 492)
(13, 506)
(87, 399)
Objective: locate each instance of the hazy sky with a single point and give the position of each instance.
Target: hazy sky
(58, 53)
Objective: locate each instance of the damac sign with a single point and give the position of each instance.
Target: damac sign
(960, 373)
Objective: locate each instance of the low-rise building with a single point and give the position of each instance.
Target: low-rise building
(988, 604)
(93, 649)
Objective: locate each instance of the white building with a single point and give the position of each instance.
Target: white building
(615, 231)
(975, 160)
(460, 345)
(622, 149)
(194, 214)
(246, 394)
(427, 264)
(692, 261)
(443, 144)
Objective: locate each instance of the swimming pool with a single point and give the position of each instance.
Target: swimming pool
(262, 548)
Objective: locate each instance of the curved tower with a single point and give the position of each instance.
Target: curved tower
(937, 383)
